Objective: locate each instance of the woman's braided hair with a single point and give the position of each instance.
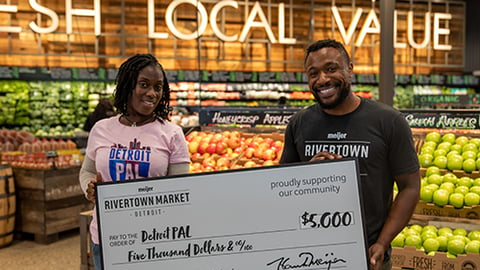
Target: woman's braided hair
(126, 81)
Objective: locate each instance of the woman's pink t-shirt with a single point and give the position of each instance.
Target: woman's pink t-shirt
(124, 153)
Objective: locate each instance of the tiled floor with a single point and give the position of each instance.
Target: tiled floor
(63, 254)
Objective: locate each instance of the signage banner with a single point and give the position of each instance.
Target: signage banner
(296, 216)
(447, 119)
(246, 117)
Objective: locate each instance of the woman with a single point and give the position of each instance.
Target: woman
(142, 98)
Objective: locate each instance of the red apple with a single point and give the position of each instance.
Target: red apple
(250, 164)
(269, 141)
(269, 154)
(278, 145)
(221, 148)
(209, 162)
(202, 147)
(223, 162)
(249, 152)
(190, 136)
(233, 142)
(268, 163)
(193, 147)
(212, 148)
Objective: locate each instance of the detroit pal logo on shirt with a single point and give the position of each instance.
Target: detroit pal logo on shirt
(132, 162)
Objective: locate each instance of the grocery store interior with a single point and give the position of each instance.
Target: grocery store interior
(236, 71)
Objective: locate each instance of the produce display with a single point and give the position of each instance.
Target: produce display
(449, 189)
(14, 103)
(48, 108)
(451, 152)
(22, 149)
(213, 151)
(430, 239)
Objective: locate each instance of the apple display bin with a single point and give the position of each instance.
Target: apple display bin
(48, 202)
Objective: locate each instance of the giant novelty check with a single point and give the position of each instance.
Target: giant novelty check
(305, 216)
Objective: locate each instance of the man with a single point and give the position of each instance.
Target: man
(342, 124)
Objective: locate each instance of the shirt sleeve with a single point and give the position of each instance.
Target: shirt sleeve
(179, 148)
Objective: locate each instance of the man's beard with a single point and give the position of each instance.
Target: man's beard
(344, 92)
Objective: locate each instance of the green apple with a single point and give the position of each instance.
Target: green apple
(433, 136)
(427, 150)
(475, 189)
(477, 163)
(462, 189)
(449, 137)
(469, 165)
(414, 229)
(445, 231)
(425, 160)
(475, 141)
(465, 181)
(413, 240)
(443, 241)
(450, 187)
(470, 147)
(429, 228)
(451, 256)
(476, 182)
(441, 152)
(433, 170)
(445, 146)
(431, 244)
(471, 199)
(460, 231)
(399, 240)
(456, 147)
(430, 144)
(433, 186)
(454, 162)
(474, 235)
(462, 140)
(456, 199)
(450, 177)
(466, 154)
(427, 235)
(453, 152)
(456, 246)
(436, 179)
(440, 161)
(426, 194)
(440, 197)
(473, 247)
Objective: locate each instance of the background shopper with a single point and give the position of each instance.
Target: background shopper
(104, 109)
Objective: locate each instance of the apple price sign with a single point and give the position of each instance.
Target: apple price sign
(295, 216)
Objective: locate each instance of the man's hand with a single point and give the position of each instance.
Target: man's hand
(325, 156)
(376, 253)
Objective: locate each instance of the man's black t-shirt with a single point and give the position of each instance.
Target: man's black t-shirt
(377, 135)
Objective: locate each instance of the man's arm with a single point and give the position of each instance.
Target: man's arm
(399, 216)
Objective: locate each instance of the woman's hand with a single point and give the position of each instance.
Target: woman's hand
(325, 156)
(91, 187)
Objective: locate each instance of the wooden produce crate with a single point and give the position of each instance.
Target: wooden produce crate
(413, 259)
(48, 202)
(430, 209)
